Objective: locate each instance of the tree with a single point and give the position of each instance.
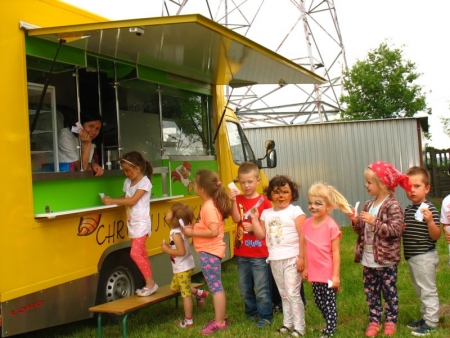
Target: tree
(382, 86)
(446, 125)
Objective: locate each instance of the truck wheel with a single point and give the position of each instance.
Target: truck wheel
(119, 278)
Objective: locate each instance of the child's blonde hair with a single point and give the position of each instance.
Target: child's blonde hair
(377, 180)
(331, 196)
(181, 211)
(247, 168)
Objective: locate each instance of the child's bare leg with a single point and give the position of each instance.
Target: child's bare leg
(220, 304)
(149, 282)
(187, 305)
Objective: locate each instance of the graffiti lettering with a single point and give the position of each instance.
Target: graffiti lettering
(28, 307)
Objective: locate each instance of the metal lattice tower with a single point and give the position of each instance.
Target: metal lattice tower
(304, 31)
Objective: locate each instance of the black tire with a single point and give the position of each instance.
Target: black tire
(119, 278)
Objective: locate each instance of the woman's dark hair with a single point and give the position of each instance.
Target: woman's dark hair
(135, 158)
(278, 182)
(88, 116)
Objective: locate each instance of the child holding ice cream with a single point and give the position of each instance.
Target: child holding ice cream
(419, 248)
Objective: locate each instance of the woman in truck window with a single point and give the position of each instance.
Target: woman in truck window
(68, 143)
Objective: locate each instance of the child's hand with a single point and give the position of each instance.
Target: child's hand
(352, 217)
(336, 282)
(300, 264)
(107, 200)
(305, 274)
(233, 193)
(248, 227)
(427, 215)
(254, 214)
(164, 246)
(367, 217)
(188, 230)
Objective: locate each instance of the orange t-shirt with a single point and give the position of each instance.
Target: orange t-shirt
(209, 214)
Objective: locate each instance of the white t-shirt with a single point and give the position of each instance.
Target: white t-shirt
(67, 147)
(181, 263)
(281, 233)
(445, 211)
(138, 215)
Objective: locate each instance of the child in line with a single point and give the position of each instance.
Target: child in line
(137, 190)
(320, 245)
(379, 228)
(251, 253)
(182, 260)
(419, 247)
(208, 235)
(281, 226)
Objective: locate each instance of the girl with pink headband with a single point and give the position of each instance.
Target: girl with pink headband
(379, 228)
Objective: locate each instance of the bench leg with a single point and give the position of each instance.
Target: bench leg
(124, 325)
(99, 325)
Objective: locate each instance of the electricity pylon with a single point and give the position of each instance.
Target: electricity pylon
(304, 31)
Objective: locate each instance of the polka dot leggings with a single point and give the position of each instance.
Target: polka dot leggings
(325, 300)
(139, 255)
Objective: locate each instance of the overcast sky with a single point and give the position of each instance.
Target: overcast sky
(420, 28)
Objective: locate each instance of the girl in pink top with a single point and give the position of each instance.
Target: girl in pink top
(320, 257)
(208, 241)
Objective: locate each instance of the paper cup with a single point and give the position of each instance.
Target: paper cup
(330, 284)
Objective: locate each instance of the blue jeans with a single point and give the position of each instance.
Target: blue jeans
(253, 276)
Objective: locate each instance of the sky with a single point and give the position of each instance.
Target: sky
(419, 28)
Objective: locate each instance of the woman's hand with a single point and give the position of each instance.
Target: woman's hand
(97, 169)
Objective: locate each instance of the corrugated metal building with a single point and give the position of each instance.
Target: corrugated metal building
(339, 152)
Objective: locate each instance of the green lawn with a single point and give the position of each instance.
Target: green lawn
(159, 320)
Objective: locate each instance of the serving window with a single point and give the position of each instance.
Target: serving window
(155, 118)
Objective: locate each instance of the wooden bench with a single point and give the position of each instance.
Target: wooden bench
(124, 306)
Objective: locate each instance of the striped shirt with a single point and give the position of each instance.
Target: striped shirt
(416, 238)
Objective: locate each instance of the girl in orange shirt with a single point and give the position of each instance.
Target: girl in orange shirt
(208, 241)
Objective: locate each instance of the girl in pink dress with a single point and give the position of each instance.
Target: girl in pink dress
(320, 244)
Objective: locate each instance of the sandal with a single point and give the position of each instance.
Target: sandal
(283, 330)
(296, 333)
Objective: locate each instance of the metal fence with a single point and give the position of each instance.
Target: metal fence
(338, 153)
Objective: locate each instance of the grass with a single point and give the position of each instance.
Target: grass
(159, 320)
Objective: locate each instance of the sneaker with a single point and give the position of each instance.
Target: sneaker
(424, 330)
(201, 299)
(389, 328)
(284, 330)
(263, 323)
(184, 324)
(415, 324)
(212, 320)
(373, 329)
(213, 327)
(144, 292)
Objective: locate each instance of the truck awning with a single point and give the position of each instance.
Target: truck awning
(191, 46)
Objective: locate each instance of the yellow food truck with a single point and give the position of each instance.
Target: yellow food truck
(159, 85)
